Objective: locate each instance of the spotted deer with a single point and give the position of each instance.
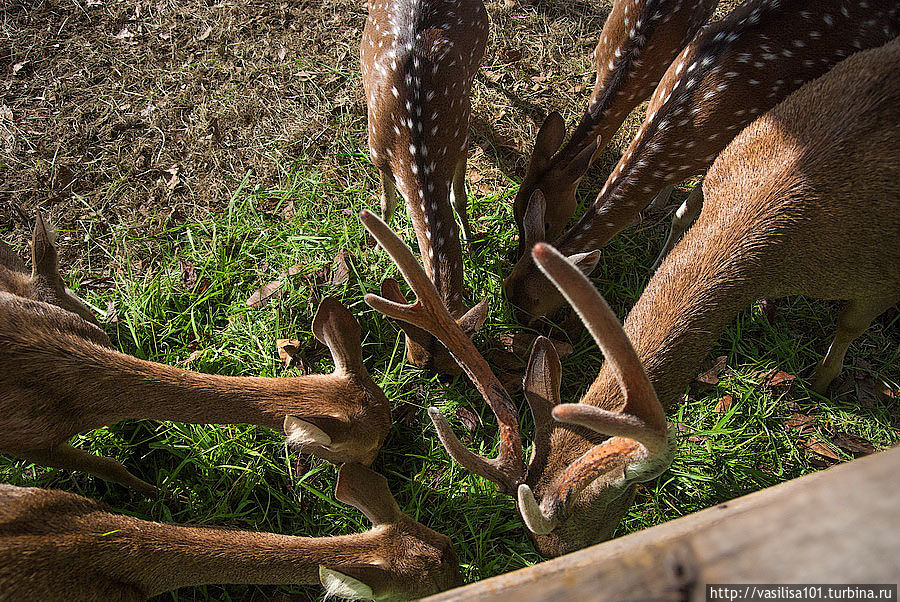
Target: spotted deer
(806, 200)
(54, 545)
(60, 376)
(640, 38)
(419, 58)
(732, 72)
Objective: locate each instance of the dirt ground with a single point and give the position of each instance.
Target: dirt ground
(147, 111)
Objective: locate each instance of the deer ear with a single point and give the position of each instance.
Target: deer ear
(45, 261)
(368, 492)
(578, 166)
(312, 430)
(473, 320)
(343, 585)
(336, 327)
(9, 259)
(533, 222)
(548, 140)
(586, 262)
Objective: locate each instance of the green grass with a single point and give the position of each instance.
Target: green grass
(244, 476)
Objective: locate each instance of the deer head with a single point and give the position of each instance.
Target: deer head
(566, 503)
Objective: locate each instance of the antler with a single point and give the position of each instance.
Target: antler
(639, 438)
(430, 314)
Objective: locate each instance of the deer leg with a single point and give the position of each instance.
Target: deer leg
(685, 215)
(71, 458)
(458, 197)
(388, 196)
(853, 320)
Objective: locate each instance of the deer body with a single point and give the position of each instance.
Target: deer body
(419, 58)
(55, 544)
(59, 376)
(732, 72)
(804, 201)
(639, 40)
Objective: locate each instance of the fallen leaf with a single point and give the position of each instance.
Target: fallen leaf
(260, 297)
(510, 55)
(887, 394)
(111, 316)
(865, 384)
(294, 269)
(820, 448)
(288, 210)
(469, 420)
(305, 76)
(193, 357)
(492, 75)
(287, 350)
(853, 443)
(724, 404)
(282, 52)
(800, 422)
(505, 360)
(18, 67)
(205, 34)
(777, 378)
(188, 273)
(408, 415)
(710, 377)
(342, 268)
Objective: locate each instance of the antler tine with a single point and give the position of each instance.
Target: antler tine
(429, 313)
(642, 418)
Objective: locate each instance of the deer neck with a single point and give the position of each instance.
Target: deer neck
(437, 234)
(713, 274)
(135, 388)
(183, 556)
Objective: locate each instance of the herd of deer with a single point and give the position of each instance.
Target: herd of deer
(792, 107)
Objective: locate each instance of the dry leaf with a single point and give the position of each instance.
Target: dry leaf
(407, 414)
(188, 273)
(287, 350)
(768, 310)
(205, 34)
(777, 378)
(820, 448)
(801, 422)
(288, 210)
(261, 297)
(853, 443)
(724, 404)
(469, 420)
(865, 384)
(710, 377)
(193, 357)
(342, 268)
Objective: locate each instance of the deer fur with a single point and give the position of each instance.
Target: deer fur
(805, 201)
(418, 59)
(60, 376)
(56, 545)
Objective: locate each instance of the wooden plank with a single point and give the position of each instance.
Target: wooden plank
(840, 525)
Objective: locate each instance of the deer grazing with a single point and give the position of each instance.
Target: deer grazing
(732, 72)
(639, 40)
(55, 544)
(419, 58)
(60, 376)
(803, 201)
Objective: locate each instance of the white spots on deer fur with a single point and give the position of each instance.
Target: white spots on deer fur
(799, 43)
(395, 91)
(753, 82)
(828, 20)
(814, 34)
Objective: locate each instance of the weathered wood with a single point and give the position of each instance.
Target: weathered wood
(835, 526)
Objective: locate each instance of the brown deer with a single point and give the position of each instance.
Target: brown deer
(55, 545)
(639, 40)
(804, 201)
(419, 58)
(60, 376)
(732, 72)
